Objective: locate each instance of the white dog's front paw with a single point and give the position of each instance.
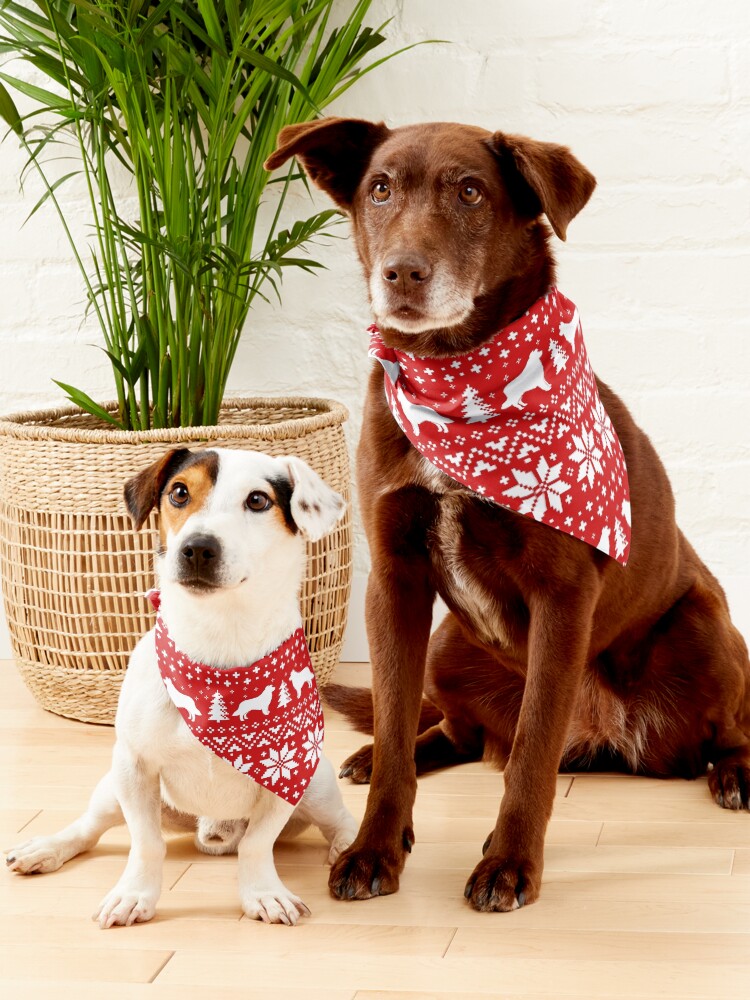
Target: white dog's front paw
(39, 855)
(274, 906)
(125, 905)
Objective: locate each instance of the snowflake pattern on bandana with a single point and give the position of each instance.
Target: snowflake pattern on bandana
(265, 719)
(519, 421)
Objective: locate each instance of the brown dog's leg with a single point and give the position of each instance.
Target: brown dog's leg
(510, 872)
(399, 613)
(456, 738)
(433, 751)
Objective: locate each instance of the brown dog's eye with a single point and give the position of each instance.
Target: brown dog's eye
(179, 495)
(380, 192)
(470, 195)
(258, 501)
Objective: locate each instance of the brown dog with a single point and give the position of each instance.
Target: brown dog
(552, 653)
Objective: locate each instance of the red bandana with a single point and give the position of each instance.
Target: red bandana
(264, 719)
(519, 420)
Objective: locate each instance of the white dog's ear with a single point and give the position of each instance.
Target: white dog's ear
(314, 506)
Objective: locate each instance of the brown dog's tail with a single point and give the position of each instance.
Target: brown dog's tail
(355, 704)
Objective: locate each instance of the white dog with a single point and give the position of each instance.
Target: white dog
(230, 564)
(259, 704)
(300, 678)
(531, 377)
(182, 700)
(417, 414)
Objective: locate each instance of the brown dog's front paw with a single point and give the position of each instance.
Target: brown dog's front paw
(501, 884)
(361, 873)
(358, 767)
(729, 782)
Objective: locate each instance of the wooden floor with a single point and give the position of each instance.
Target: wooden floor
(646, 894)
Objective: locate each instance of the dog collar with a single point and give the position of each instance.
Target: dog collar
(519, 421)
(263, 719)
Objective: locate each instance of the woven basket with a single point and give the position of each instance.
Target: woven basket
(73, 569)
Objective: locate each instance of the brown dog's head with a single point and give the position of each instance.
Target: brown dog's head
(446, 220)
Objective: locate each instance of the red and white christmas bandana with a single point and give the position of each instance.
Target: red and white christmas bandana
(264, 719)
(519, 421)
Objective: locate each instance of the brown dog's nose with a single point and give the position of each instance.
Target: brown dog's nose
(409, 269)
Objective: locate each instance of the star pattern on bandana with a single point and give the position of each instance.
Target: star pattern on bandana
(264, 719)
(529, 433)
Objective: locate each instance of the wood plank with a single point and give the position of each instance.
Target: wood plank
(614, 946)
(659, 860)
(520, 975)
(59, 965)
(585, 858)
(168, 932)
(741, 862)
(161, 991)
(602, 995)
(622, 797)
(728, 834)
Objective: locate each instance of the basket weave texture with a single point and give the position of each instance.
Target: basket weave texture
(74, 571)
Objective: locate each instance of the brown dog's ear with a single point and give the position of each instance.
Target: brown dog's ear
(142, 492)
(543, 177)
(333, 151)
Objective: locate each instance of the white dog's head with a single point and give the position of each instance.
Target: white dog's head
(232, 520)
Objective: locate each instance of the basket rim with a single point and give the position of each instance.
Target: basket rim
(30, 424)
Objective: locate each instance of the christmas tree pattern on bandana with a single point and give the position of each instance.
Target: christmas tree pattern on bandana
(519, 421)
(265, 719)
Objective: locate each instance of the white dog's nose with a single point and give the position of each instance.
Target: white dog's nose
(200, 552)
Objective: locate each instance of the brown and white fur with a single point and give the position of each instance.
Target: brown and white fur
(552, 653)
(230, 561)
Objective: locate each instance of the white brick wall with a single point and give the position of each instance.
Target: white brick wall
(653, 96)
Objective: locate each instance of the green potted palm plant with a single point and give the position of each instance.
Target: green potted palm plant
(175, 106)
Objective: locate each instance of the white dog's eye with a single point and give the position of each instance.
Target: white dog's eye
(179, 495)
(258, 500)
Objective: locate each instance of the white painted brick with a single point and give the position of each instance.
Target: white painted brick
(675, 20)
(62, 290)
(695, 424)
(475, 22)
(634, 79)
(42, 238)
(666, 216)
(16, 302)
(740, 61)
(670, 145)
(722, 551)
(707, 283)
(430, 81)
(650, 356)
(506, 84)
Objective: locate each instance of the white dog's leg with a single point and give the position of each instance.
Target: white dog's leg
(47, 854)
(262, 893)
(138, 790)
(323, 806)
